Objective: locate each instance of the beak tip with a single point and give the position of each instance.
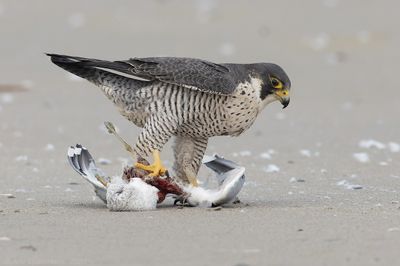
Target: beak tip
(285, 103)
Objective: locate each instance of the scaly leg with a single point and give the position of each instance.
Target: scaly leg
(111, 129)
(188, 153)
(155, 169)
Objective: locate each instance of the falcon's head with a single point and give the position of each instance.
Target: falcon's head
(275, 83)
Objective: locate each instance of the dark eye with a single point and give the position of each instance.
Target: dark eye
(276, 83)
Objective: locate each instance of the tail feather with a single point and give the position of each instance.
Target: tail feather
(100, 72)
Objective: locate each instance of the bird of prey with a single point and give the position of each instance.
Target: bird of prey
(189, 99)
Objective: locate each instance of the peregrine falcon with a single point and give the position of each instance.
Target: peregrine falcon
(189, 99)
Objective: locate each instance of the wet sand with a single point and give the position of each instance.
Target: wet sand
(323, 175)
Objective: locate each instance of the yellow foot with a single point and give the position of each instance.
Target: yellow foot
(155, 169)
(193, 181)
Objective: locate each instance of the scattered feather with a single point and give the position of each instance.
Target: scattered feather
(245, 153)
(49, 147)
(21, 158)
(362, 157)
(394, 147)
(271, 168)
(265, 155)
(295, 179)
(370, 143)
(6, 195)
(346, 184)
(4, 238)
(104, 161)
(292, 179)
(305, 153)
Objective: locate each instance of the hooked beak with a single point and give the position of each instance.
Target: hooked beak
(283, 97)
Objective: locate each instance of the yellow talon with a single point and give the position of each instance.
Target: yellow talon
(155, 169)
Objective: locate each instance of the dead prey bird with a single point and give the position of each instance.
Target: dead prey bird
(136, 190)
(189, 99)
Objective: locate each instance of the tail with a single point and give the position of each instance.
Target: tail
(100, 72)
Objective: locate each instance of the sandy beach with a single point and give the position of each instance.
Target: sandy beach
(323, 175)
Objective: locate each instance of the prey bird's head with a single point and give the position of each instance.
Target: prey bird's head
(275, 83)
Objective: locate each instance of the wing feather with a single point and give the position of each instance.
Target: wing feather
(190, 73)
(187, 72)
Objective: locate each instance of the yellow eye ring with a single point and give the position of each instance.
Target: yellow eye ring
(276, 83)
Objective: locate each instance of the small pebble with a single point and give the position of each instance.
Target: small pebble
(30, 247)
(295, 179)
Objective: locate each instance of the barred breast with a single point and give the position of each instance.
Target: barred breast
(192, 113)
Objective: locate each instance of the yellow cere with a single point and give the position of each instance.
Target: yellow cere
(282, 93)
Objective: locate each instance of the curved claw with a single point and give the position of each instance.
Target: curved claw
(155, 169)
